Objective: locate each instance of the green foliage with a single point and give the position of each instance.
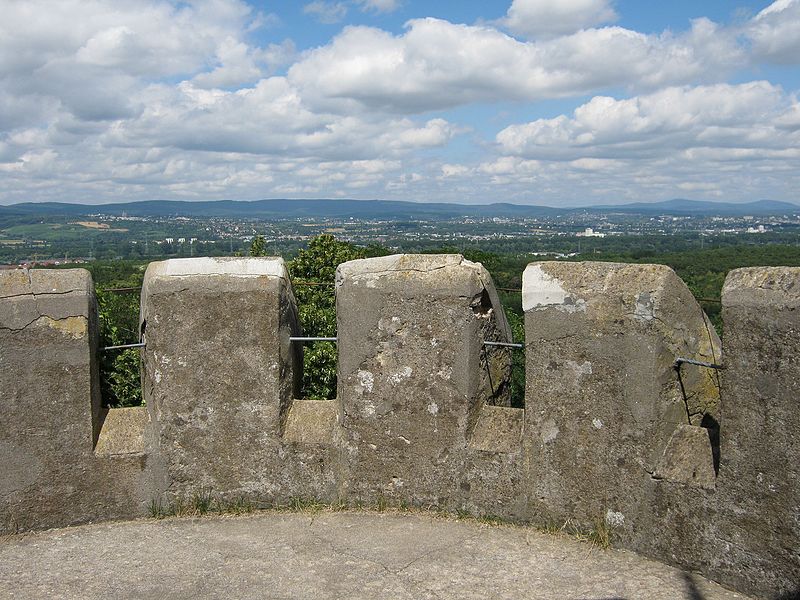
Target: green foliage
(258, 247)
(313, 274)
(120, 382)
(517, 323)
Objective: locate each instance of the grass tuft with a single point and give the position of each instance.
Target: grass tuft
(599, 534)
(490, 520)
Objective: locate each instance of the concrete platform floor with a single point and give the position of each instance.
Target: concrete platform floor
(272, 555)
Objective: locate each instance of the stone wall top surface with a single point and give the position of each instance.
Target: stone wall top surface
(229, 266)
(19, 282)
(778, 286)
(423, 263)
(447, 272)
(569, 285)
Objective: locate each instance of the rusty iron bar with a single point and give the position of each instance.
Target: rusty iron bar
(699, 363)
(313, 339)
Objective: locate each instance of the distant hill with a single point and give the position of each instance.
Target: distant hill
(680, 207)
(267, 209)
(385, 209)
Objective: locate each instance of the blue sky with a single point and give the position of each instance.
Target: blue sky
(529, 101)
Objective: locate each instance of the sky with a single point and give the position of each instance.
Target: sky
(566, 103)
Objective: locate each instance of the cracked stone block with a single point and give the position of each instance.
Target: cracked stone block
(759, 475)
(603, 397)
(219, 372)
(414, 372)
(49, 391)
(50, 398)
(688, 458)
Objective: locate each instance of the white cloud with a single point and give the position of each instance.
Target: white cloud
(745, 116)
(103, 99)
(733, 141)
(326, 12)
(775, 33)
(379, 6)
(437, 65)
(452, 170)
(241, 64)
(548, 19)
(89, 57)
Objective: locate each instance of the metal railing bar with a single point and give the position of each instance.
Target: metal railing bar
(504, 344)
(123, 346)
(688, 361)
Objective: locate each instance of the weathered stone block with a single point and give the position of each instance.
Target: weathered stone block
(499, 429)
(603, 397)
(759, 478)
(123, 432)
(688, 458)
(311, 422)
(219, 378)
(414, 373)
(51, 415)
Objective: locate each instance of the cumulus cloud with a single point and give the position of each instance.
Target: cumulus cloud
(326, 12)
(775, 33)
(547, 19)
(240, 64)
(90, 57)
(379, 6)
(733, 141)
(734, 119)
(436, 64)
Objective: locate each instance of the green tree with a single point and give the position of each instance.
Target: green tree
(118, 313)
(258, 247)
(313, 274)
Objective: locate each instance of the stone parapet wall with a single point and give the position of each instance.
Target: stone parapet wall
(608, 415)
(219, 376)
(759, 479)
(50, 413)
(613, 435)
(415, 376)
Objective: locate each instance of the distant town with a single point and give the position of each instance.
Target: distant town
(52, 238)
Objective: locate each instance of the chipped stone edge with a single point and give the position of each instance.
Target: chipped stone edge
(540, 290)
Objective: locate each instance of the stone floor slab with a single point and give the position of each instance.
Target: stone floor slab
(278, 555)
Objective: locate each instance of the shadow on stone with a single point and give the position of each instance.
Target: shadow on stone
(692, 591)
(712, 425)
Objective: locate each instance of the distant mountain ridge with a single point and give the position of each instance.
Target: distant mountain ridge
(388, 209)
(679, 206)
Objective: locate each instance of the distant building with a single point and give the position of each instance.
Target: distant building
(169, 240)
(589, 232)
